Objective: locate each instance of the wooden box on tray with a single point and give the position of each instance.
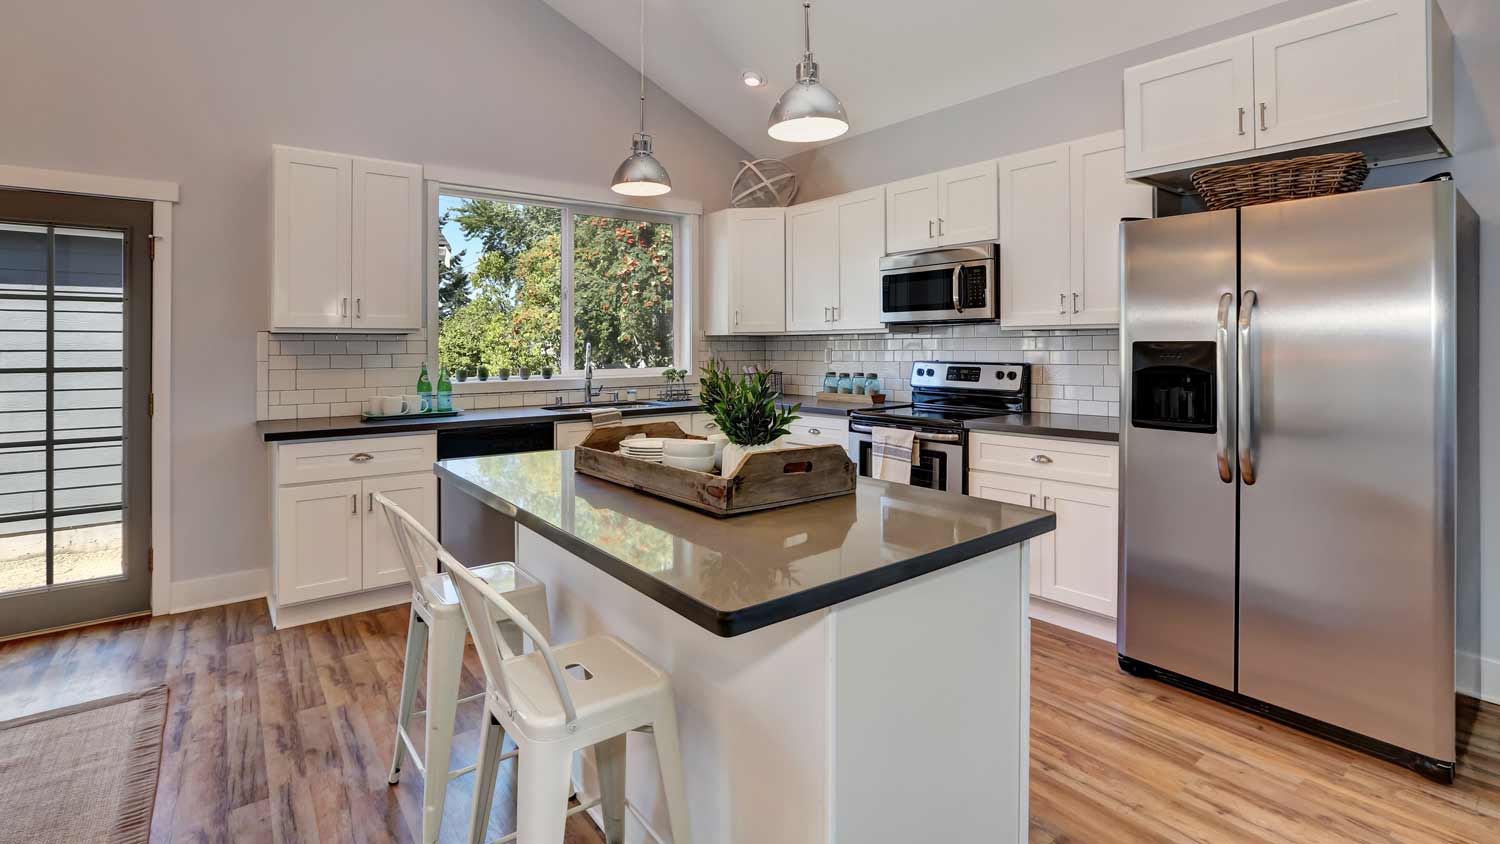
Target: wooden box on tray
(765, 479)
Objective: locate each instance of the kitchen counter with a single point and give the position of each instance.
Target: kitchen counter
(277, 430)
(1069, 425)
(799, 641)
(810, 404)
(731, 576)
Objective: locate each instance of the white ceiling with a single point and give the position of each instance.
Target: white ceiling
(888, 60)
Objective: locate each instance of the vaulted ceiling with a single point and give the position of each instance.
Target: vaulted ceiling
(888, 60)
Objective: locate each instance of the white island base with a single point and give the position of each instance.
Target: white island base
(900, 716)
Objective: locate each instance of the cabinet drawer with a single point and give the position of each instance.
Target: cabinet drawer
(1044, 458)
(829, 431)
(331, 460)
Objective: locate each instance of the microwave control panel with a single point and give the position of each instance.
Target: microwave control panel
(973, 286)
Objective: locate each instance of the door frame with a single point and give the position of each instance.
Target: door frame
(163, 196)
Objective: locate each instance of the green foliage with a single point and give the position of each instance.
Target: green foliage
(453, 280)
(622, 291)
(744, 406)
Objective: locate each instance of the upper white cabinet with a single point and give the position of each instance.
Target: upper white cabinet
(1374, 71)
(942, 209)
(347, 243)
(861, 238)
(1192, 105)
(745, 285)
(812, 265)
(1060, 212)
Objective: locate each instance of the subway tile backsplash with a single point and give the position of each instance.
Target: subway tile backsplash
(1074, 371)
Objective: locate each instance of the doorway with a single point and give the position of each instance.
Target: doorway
(75, 405)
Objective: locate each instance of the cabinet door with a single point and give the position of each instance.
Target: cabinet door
(861, 246)
(1035, 279)
(1083, 570)
(966, 197)
(716, 306)
(757, 239)
(1101, 197)
(565, 435)
(1026, 492)
(812, 266)
(311, 272)
(911, 212)
(1351, 67)
(318, 541)
(416, 494)
(1189, 106)
(388, 245)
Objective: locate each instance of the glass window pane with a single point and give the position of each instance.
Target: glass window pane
(622, 291)
(23, 481)
(23, 555)
(90, 263)
(500, 285)
(92, 549)
(23, 259)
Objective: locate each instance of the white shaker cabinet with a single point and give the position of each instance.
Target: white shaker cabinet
(1192, 105)
(744, 291)
(1035, 227)
(812, 266)
(948, 208)
(347, 243)
(1101, 197)
(318, 540)
(911, 212)
(416, 493)
(861, 245)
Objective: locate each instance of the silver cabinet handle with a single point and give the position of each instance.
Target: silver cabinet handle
(1031, 501)
(370, 505)
(835, 313)
(827, 314)
(940, 227)
(1075, 303)
(736, 316)
(344, 306)
(1040, 458)
(361, 457)
(354, 503)
(1242, 120)
(1245, 429)
(1062, 303)
(1263, 126)
(1045, 504)
(712, 426)
(1221, 393)
(958, 306)
(358, 311)
(814, 431)
(929, 229)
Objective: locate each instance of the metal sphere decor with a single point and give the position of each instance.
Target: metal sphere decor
(763, 183)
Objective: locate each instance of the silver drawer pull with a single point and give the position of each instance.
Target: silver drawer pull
(711, 426)
(814, 431)
(1040, 458)
(361, 457)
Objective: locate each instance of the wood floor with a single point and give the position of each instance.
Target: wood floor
(286, 737)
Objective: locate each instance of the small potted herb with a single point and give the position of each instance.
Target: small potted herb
(524, 372)
(745, 409)
(504, 373)
(546, 372)
(484, 373)
(463, 375)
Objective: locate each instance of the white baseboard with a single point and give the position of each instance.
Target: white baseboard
(216, 590)
(1479, 676)
(296, 615)
(1079, 621)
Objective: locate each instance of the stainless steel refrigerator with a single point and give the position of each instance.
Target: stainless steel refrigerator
(1299, 461)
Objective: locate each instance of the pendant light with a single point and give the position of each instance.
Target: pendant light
(641, 174)
(808, 111)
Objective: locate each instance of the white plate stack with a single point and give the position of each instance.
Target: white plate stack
(648, 449)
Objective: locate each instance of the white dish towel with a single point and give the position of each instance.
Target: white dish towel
(892, 453)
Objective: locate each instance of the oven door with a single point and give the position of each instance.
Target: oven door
(946, 292)
(940, 465)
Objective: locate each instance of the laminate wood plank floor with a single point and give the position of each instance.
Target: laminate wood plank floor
(286, 736)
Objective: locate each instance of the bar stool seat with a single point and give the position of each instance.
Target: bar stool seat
(619, 682)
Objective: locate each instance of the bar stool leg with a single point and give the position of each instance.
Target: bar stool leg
(445, 653)
(669, 760)
(491, 741)
(416, 646)
(609, 758)
(542, 793)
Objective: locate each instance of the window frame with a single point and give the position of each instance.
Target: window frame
(569, 367)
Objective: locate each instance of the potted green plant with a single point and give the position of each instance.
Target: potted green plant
(504, 373)
(463, 375)
(746, 411)
(484, 373)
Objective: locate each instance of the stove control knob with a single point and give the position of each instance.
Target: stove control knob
(1011, 375)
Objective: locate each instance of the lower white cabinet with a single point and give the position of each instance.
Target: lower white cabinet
(1077, 564)
(330, 540)
(566, 435)
(819, 430)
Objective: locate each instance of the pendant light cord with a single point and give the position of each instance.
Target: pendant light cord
(643, 67)
(806, 30)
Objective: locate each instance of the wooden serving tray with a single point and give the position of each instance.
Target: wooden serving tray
(766, 479)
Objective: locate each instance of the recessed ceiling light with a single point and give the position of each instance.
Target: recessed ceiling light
(753, 79)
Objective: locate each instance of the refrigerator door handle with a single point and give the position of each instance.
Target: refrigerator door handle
(1246, 411)
(1221, 392)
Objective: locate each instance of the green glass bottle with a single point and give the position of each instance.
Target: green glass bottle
(444, 389)
(424, 388)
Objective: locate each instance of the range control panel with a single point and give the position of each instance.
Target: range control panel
(1014, 378)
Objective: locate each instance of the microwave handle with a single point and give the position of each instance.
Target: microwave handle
(957, 302)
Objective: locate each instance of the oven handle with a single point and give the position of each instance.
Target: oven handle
(921, 435)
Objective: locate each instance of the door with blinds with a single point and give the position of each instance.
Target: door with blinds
(75, 388)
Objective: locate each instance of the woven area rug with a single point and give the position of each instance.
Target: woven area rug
(84, 773)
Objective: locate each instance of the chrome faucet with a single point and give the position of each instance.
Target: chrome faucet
(589, 393)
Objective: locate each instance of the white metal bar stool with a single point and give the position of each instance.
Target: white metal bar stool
(554, 702)
(437, 628)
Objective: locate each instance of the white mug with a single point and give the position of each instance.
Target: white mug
(414, 404)
(388, 405)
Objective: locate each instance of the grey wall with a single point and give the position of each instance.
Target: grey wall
(1087, 100)
(197, 92)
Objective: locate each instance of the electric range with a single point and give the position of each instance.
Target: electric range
(945, 396)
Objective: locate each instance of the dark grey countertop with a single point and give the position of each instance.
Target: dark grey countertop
(1070, 425)
(738, 574)
(280, 430)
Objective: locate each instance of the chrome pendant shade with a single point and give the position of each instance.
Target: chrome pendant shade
(808, 111)
(641, 174)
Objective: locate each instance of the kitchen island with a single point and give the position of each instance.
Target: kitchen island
(854, 669)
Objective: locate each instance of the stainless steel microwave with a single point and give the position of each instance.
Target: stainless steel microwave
(951, 285)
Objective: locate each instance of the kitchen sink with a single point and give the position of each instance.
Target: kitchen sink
(599, 405)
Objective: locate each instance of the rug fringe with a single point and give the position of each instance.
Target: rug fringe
(138, 800)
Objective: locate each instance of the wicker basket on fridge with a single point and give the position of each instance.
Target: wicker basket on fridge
(1238, 185)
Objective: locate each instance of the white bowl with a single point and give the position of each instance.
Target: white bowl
(687, 448)
(697, 464)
